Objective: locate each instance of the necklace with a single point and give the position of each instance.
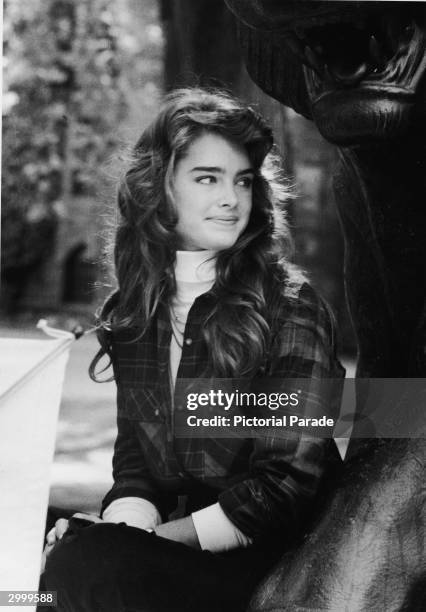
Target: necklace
(175, 316)
(177, 319)
(175, 322)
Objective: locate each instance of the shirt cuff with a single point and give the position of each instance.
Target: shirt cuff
(216, 532)
(134, 511)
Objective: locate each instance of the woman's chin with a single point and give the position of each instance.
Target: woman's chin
(219, 241)
(220, 245)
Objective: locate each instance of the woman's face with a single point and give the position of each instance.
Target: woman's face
(212, 190)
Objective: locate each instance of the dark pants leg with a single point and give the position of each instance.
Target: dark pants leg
(114, 568)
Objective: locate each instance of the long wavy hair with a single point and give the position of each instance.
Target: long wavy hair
(251, 276)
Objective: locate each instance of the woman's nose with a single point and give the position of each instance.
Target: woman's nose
(229, 196)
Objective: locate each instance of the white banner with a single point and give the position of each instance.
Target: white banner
(31, 379)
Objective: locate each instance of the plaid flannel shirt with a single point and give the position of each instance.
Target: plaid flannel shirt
(264, 485)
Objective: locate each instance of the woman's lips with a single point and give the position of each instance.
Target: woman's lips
(225, 221)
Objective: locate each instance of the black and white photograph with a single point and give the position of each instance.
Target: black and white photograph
(213, 306)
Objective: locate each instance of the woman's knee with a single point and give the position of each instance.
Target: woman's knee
(84, 549)
(80, 562)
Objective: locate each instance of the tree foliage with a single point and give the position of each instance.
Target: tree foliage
(62, 104)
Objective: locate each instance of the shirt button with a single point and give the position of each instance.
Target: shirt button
(180, 474)
(188, 341)
(156, 412)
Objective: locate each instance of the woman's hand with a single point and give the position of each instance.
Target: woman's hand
(56, 533)
(52, 537)
(61, 526)
(182, 530)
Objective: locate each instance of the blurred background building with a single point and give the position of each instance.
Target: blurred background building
(82, 78)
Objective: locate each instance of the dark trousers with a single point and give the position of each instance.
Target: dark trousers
(105, 567)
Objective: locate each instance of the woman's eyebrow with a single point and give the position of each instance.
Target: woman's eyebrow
(207, 169)
(219, 170)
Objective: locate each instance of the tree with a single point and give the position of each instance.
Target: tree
(62, 103)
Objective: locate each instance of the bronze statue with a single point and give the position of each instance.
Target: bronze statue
(357, 69)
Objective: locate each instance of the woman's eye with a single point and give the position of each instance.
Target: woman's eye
(206, 180)
(246, 181)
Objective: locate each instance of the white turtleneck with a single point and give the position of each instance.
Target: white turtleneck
(195, 273)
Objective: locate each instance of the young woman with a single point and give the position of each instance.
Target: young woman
(205, 289)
